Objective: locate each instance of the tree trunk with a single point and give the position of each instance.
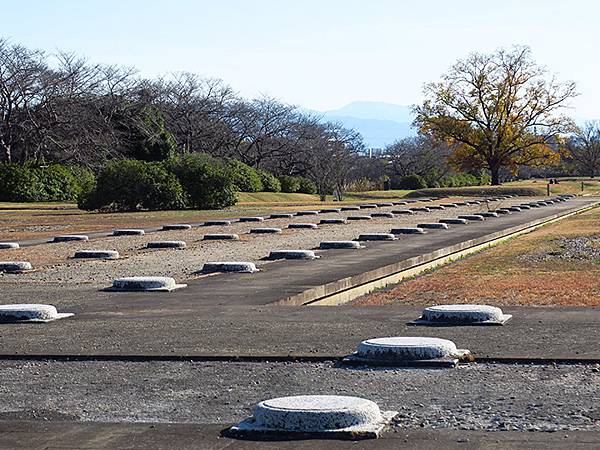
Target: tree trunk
(495, 172)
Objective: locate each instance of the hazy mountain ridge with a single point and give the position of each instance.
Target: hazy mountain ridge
(380, 123)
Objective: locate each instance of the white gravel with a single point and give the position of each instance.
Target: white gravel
(137, 260)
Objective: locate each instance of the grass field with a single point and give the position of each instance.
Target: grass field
(557, 265)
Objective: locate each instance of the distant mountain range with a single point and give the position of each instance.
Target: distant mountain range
(379, 123)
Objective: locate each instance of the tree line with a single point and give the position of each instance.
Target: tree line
(61, 108)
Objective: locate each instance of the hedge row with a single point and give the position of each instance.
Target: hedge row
(53, 183)
(477, 191)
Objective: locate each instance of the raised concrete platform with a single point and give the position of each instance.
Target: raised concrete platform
(185, 331)
(148, 436)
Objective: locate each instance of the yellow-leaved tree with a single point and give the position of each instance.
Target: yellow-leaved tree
(498, 110)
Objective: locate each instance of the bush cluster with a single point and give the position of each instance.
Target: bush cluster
(52, 183)
(131, 185)
(245, 178)
(293, 184)
(410, 182)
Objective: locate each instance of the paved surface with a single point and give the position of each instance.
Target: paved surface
(159, 358)
(546, 333)
(62, 436)
(494, 397)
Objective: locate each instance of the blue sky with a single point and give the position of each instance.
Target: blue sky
(317, 54)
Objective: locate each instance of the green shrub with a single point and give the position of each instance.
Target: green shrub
(411, 182)
(245, 178)
(478, 191)
(19, 184)
(51, 183)
(58, 183)
(306, 186)
(129, 185)
(269, 181)
(207, 184)
(289, 184)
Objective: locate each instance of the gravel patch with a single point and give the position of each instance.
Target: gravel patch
(474, 397)
(569, 249)
(57, 266)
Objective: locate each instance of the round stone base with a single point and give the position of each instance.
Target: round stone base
(9, 245)
(96, 254)
(70, 237)
(166, 244)
(292, 254)
(145, 284)
(30, 313)
(233, 266)
(463, 315)
(15, 266)
(313, 416)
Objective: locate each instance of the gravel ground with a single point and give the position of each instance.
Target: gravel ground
(54, 266)
(475, 397)
(581, 248)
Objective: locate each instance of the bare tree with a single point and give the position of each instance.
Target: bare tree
(584, 148)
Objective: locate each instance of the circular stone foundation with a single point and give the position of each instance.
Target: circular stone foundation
(328, 245)
(433, 226)
(70, 237)
(96, 254)
(333, 221)
(30, 313)
(407, 230)
(292, 254)
(265, 231)
(281, 216)
(217, 223)
(233, 266)
(145, 284)
(129, 232)
(454, 221)
(464, 314)
(9, 245)
(330, 211)
(472, 217)
(251, 219)
(176, 226)
(308, 416)
(377, 237)
(359, 218)
(221, 237)
(406, 348)
(15, 266)
(311, 226)
(166, 244)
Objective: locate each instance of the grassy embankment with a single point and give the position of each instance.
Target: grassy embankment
(557, 265)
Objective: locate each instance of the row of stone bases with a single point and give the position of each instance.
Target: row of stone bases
(24, 266)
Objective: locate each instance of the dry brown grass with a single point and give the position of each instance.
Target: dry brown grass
(511, 274)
